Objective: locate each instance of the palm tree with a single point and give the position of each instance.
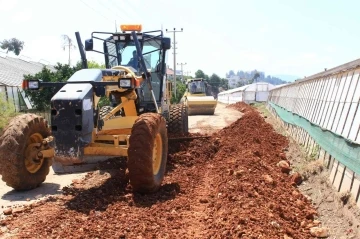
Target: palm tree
(256, 75)
(13, 45)
(68, 43)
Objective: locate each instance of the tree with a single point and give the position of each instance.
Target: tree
(224, 83)
(41, 98)
(92, 64)
(214, 80)
(231, 73)
(240, 83)
(255, 76)
(200, 74)
(68, 43)
(13, 45)
(180, 90)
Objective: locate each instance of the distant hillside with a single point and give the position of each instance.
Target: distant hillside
(289, 78)
(249, 75)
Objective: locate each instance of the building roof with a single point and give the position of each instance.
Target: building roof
(250, 87)
(170, 71)
(13, 69)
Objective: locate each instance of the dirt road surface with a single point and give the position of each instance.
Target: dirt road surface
(235, 184)
(207, 124)
(54, 183)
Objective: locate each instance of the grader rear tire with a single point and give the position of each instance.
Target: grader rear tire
(178, 119)
(185, 116)
(17, 168)
(147, 153)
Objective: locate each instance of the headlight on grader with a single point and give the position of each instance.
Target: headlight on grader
(31, 84)
(125, 83)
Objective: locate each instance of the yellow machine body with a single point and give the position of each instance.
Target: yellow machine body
(197, 99)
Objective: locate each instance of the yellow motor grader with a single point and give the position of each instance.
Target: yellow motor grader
(80, 134)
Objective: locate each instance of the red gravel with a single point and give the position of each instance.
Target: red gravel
(226, 186)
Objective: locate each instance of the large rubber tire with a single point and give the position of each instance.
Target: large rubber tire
(178, 120)
(13, 144)
(185, 117)
(147, 128)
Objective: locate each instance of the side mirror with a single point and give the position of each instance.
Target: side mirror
(89, 45)
(166, 43)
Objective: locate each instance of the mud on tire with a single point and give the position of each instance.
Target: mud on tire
(149, 130)
(13, 144)
(178, 120)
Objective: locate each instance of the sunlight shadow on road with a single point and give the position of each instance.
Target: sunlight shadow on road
(43, 190)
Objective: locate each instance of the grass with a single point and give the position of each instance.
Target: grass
(315, 152)
(309, 168)
(7, 111)
(262, 108)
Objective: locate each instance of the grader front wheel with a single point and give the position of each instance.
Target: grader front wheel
(21, 165)
(147, 153)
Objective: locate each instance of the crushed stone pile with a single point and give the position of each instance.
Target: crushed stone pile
(235, 184)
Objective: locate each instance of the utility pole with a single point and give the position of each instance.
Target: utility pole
(68, 43)
(182, 72)
(187, 73)
(174, 31)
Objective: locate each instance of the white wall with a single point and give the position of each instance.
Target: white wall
(331, 102)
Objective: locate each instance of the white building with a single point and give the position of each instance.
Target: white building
(12, 71)
(256, 92)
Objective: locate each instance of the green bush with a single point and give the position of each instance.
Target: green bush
(180, 90)
(41, 98)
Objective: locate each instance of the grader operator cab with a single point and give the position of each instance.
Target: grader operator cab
(198, 99)
(135, 125)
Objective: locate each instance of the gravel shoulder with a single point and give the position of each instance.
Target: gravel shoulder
(337, 211)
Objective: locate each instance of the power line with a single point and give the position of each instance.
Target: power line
(95, 11)
(104, 5)
(182, 71)
(134, 9)
(120, 10)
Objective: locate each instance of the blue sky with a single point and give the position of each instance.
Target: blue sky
(276, 36)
